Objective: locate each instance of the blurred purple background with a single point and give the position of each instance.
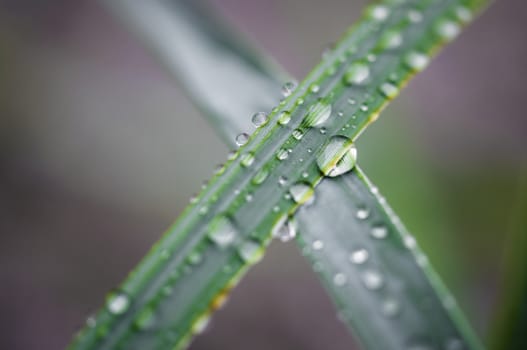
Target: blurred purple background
(99, 154)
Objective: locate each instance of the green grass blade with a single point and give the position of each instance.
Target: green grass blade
(202, 55)
(185, 276)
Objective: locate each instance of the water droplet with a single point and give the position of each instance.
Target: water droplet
(390, 307)
(282, 154)
(249, 197)
(362, 214)
(300, 101)
(260, 119)
(287, 231)
(195, 258)
(357, 74)
(463, 14)
(222, 231)
(447, 29)
(416, 61)
(247, 159)
(421, 260)
(201, 324)
(145, 319)
(298, 134)
(282, 180)
(288, 88)
(409, 241)
(260, 176)
(337, 157)
(359, 256)
(317, 114)
(415, 16)
(242, 139)
(91, 322)
(284, 118)
(203, 210)
(318, 245)
(314, 88)
(372, 279)
(379, 232)
(340, 279)
(117, 303)
(390, 40)
(351, 101)
(389, 90)
(454, 344)
(323, 130)
(232, 155)
(364, 108)
(250, 251)
(302, 193)
(379, 12)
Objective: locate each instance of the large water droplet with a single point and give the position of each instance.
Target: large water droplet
(359, 256)
(117, 303)
(282, 154)
(260, 119)
(337, 157)
(357, 74)
(242, 139)
(317, 114)
(302, 193)
(222, 231)
(250, 251)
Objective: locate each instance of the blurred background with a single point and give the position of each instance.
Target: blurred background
(100, 151)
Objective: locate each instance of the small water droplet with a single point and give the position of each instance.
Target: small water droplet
(300, 101)
(250, 251)
(359, 256)
(284, 118)
(318, 245)
(390, 40)
(302, 193)
(390, 307)
(203, 210)
(260, 176)
(415, 16)
(409, 241)
(193, 199)
(379, 12)
(195, 258)
(447, 29)
(372, 280)
(337, 157)
(288, 88)
(282, 180)
(242, 139)
(298, 134)
(222, 231)
(146, 319)
(259, 119)
(389, 90)
(364, 108)
(201, 324)
(340, 279)
(282, 154)
(91, 322)
(323, 130)
(249, 197)
(232, 155)
(317, 114)
(379, 232)
(454, 344)
(416, 61)
(314, 88)
(287, 231)
(463, 14)
(362, 214)
(247, 159)
(351, 101)
(117, 303)
(357, 74)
